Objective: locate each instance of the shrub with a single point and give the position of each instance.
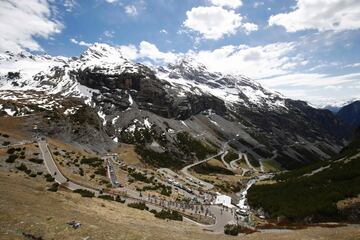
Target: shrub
(106, 197)
(232, 230)
(253, 161)
(6, 143)
(49, 178)
(138, 176)
(100, 171)
(22, 167)
(84, 193)
(153, 211)
(11, 150)
(36, 160)
(190, 145)
(230, 156)
(298, 197)
(168, 214)
(11, 158)
(94, 161)
(139, 205)
(166, 191)
(206, 169)
(118, 199)
(81, 172)
(32, 175)
(159, 159)
(54, 187)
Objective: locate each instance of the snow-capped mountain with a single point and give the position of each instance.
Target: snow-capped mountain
(335, 106)
(130, 102)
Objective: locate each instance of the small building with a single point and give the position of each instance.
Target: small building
(223, 200)
(112, 156)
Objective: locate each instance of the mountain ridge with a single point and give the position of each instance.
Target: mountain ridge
(121, 96)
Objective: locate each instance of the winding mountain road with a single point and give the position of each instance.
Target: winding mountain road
(222, 216)
(56, 173)
(185, 171)
(227, 165)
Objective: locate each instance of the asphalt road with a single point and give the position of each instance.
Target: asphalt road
(55, 172)
(227, 165)
(248, 163)
(111, 173)
(205, 185)
(233, 164)
(223, 217)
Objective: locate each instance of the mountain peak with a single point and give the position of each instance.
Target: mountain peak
(188, 63)
(103, 51)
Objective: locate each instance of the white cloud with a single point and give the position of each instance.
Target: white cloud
(353, 65)
(322, 15)
(310, 80)
(131, 10)
(148, 53)
(149, 50)
(258, 4)
(255, 62)
(319, 89)
(163, 31)
(111, 1)
(81, 43)
(69, 5)
(21, 21)
(250, 27)
(129, 51)
(215, 22)
(227, 3)
(109, 34)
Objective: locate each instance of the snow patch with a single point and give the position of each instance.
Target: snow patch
(102, 116)
(9, 112)
(147, 123)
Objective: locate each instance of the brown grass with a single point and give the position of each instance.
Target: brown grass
(127, 154)
(25, 206)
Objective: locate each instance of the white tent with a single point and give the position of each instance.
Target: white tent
(224, 200)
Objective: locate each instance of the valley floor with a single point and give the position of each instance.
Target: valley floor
(26, 206)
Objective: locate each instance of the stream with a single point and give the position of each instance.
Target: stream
(243, 204)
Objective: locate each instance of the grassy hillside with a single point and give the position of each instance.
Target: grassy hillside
(312, 193)
(103, 219)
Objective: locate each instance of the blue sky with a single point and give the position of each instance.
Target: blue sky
(306, 49)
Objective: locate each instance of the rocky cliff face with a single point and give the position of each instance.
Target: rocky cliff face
(128, 102)
(350, 114)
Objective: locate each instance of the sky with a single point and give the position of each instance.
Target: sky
(305, 49)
